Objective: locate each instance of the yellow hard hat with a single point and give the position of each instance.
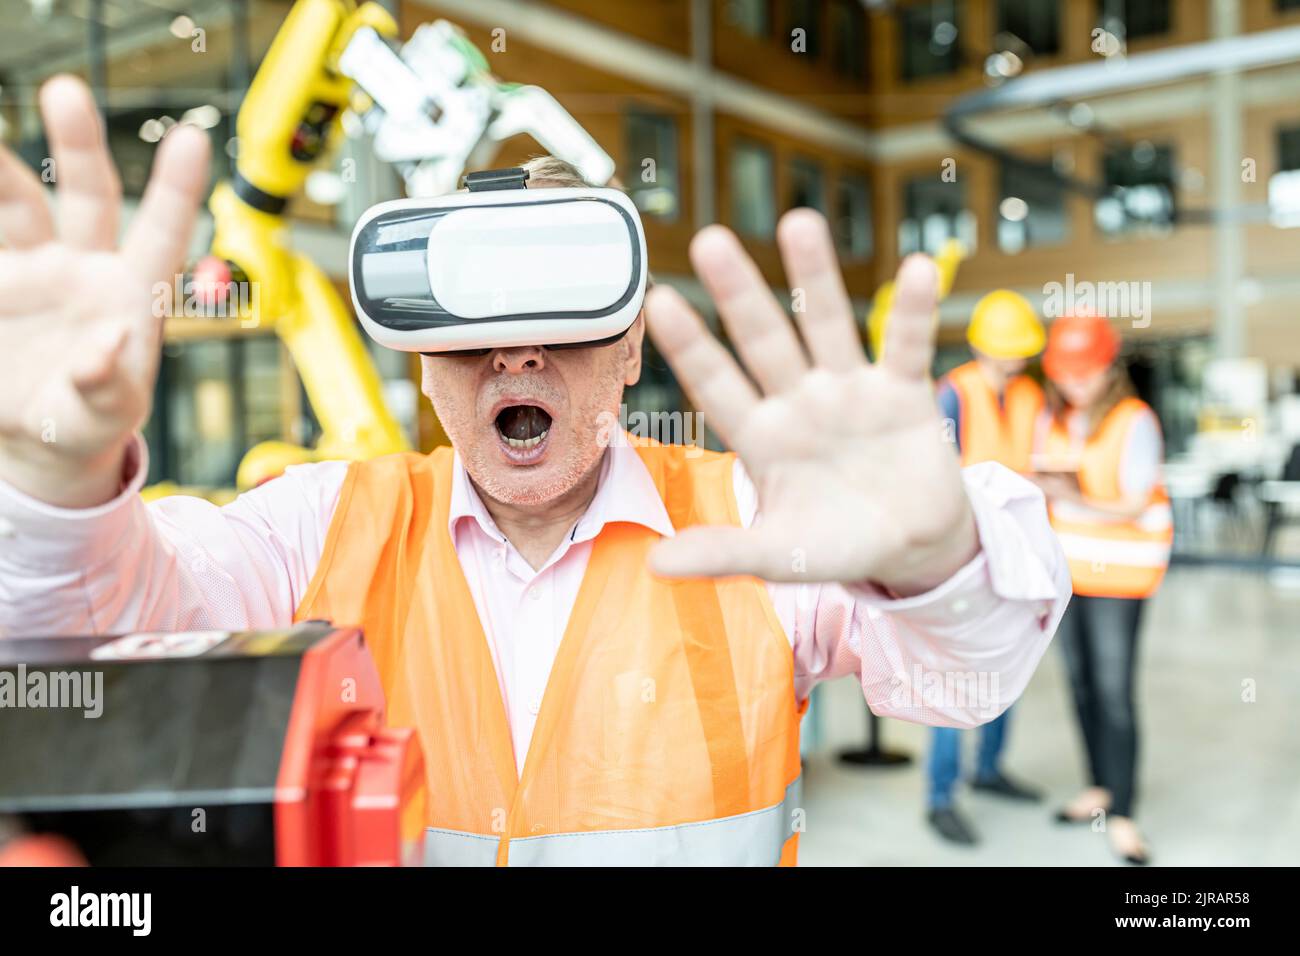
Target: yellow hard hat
(947, 261)
(1005, 326)
(878, 318)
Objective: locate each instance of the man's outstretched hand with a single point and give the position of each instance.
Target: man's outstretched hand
(855, 480)
(79, 338)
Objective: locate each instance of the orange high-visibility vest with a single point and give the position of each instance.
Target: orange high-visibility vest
(991, 433)
(1109, 556)
(669, 729)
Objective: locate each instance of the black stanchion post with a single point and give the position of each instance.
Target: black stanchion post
(874, 754)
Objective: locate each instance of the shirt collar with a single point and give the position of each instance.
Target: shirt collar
(624, 492)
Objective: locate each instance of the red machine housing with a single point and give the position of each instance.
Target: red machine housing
(346, 781)
(277, 738)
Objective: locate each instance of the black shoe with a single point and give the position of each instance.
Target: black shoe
(1000, 785)
(1064, 816)
(952, 826)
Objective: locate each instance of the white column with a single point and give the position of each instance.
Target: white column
(1226, 124)
(704, 183)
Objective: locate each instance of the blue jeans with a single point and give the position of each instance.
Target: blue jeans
(945, 758)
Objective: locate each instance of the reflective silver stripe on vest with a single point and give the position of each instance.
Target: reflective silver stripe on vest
(747, 839)
(458, 848)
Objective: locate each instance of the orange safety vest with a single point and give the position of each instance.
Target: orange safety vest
(1109, 556)
(991, 433)
(669, 729)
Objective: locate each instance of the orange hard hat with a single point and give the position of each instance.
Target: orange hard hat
(1079, 346)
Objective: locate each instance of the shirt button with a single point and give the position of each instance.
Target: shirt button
(535, 706)
(535, 593)
(959, 606)
(6, 528)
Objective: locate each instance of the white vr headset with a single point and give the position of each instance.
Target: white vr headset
(499, 266)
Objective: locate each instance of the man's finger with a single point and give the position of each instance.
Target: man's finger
(821, 304)
(758, 327)
(705, 369)
(158, 238)
(706, 551)
(719, 551)
(910, 331)
(89, 193)
(25, 219)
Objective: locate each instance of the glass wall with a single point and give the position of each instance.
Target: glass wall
(753, 189)
(852, 216)
(652, 174)
(934, 211)
(1034, 23)
(215, 399)
(928, 37)
(1032, 210)
(1141, 179)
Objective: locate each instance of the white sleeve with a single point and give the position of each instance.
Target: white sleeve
(179, 563)
(1139, 463)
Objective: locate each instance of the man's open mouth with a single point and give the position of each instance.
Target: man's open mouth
(523, 427)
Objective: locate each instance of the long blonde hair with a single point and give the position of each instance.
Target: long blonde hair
(1119, 388)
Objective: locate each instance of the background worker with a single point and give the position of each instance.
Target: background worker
(1098, 450)
(992, 407)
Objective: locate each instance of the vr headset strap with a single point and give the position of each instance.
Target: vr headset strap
(515, 177)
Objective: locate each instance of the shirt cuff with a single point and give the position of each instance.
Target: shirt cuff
(42, 536)
(1007, 509)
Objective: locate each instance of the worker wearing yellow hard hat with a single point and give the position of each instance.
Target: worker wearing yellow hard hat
(991, 408)
(991, 403)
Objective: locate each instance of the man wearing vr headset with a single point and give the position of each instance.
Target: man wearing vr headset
(606, 647)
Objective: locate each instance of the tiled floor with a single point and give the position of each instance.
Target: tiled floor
(1219, 777)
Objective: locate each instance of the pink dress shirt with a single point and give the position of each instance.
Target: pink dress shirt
(182, 563)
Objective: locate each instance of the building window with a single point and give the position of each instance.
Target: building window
(807, 185)
(848, 31)
(1140, 179)
(928, 38)
(751, 17)
(802, 15)
(1288, 144)
(1034, 23)
(1032, 209)
(651, 169)
(1134, 19)
(934, 211)
(753, 190)
(1284, 185)
(133, 136)
(852, 216)
(214, 399)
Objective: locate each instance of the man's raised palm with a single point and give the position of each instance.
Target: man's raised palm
(855, 479)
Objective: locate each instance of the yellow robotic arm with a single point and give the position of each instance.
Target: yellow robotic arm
(292, 111)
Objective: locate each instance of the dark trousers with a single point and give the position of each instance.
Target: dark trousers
(1099, 638)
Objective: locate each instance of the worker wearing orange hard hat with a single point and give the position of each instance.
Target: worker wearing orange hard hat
(1097, 453)
(991, 407)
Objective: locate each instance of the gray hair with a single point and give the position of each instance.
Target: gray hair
(546, 170)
